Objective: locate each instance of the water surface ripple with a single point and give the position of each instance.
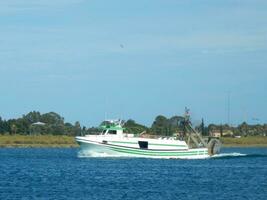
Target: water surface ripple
(45, 173)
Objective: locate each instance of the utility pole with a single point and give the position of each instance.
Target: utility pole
(228, 109)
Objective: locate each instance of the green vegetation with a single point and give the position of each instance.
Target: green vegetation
(37, 141)
(253, 141)
(50, 129)
(243, 129)
(132, 127)
(167, 127)
(35, 123)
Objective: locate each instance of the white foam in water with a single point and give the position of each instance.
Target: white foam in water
(92, 154)
(89, 154)
(223, 155)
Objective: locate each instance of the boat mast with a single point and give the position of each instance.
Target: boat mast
(191, 133)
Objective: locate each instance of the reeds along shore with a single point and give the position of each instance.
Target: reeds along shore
(37, 141)
(69, 141)
(250, 141)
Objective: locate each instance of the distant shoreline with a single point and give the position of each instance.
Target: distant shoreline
(27, 141)
(250, 141)
(62, 141)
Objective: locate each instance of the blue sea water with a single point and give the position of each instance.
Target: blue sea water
(46, 173)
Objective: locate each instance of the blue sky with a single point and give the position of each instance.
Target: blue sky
(134, 59)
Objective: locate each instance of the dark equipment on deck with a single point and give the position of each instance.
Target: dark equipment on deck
(195, 139)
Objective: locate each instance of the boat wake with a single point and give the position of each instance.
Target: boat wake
(89, 154)
(236, 155)
(229, 155)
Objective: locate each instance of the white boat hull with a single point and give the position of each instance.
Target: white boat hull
(94, 148)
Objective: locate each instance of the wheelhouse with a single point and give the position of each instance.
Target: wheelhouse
(111, 128)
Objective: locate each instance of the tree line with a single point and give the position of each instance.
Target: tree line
(35, 123)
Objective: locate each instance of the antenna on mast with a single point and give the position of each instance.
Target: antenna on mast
(106, 108)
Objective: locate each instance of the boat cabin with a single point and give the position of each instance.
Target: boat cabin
(111, 128)
(112, 132)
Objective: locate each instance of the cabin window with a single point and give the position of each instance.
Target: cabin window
(112, 132)
(143, 144)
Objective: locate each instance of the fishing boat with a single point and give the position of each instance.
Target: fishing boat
(113, 141)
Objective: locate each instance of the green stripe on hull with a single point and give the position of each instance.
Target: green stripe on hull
(150, 153)
(172, 145)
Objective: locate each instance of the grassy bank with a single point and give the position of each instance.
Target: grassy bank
(67, 141)
(37, 141)
(251, 141)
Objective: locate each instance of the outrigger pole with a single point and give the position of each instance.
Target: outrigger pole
(213, 145)
(191, 133)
